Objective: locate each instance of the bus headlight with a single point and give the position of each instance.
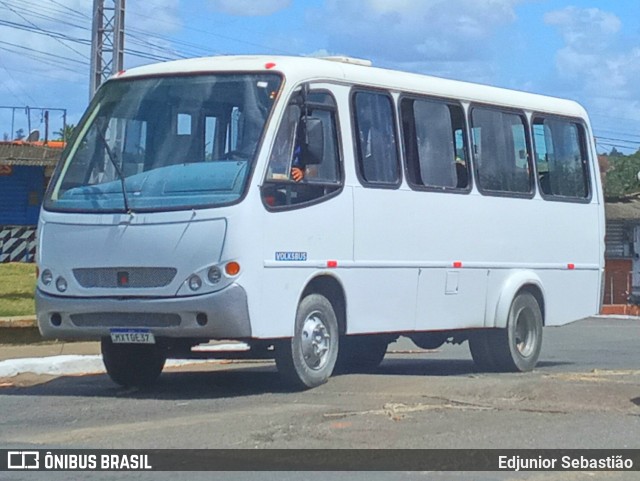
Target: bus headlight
(214, 275)
(195, 283)
(46, 277)
(61, 284)
(210, 278)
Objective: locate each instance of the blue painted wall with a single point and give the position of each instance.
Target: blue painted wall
(21, 194)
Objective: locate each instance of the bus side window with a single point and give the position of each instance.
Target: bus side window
(501, 151)
(377, 152)
(561, 158)
(306, 139)
(433, 137)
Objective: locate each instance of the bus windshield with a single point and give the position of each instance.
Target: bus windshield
(165, 143)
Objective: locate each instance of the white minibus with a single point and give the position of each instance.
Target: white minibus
(318, 209)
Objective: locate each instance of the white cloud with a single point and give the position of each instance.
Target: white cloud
(586, 30)
(163, 17)
(415, 30)
(249, 8)
(595, 56)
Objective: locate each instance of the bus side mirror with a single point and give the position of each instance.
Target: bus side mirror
(314, 148)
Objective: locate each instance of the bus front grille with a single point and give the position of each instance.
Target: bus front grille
(124, 277)
(125, 319)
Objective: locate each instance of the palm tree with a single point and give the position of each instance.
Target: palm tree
(66, 132)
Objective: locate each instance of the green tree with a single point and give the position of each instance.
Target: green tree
(614, 153)
(622, 176)
(66, 132)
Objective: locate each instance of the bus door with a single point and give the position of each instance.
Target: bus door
(308, 220)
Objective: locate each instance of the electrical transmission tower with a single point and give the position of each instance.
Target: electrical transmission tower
(107, 41)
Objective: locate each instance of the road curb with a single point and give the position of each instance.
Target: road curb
(18, 322)
(19, 330)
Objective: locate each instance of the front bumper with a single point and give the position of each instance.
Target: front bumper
(226, 311)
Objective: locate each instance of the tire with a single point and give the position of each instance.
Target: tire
(131, 365)
(517, 348)
(361, 353)
(307, 359)
(481, 350)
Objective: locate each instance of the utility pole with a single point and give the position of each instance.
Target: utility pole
(107, 41)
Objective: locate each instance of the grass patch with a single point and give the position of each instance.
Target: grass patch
(17, 286)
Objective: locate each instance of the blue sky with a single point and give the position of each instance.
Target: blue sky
(585, 50)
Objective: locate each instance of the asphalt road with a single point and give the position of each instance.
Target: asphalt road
(585, 393)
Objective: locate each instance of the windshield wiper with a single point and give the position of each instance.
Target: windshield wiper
(112, 158)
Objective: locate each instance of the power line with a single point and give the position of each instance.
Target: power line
(46, 54)
(14, 80)
(76, 12)
(613, 145)
(618, 140)
(217, 35)
(35, 26)
(42, 7)
(617, 132)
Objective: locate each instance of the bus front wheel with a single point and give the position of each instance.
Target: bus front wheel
(134, 365)
(515, 348)
(308, 358)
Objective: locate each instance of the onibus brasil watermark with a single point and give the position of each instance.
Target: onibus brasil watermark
(33, 460)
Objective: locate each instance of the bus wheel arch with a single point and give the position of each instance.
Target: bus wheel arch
(514, 344)
(525, 281)
(331, 288)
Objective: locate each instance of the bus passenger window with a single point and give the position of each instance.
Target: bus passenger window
(304, 165)
(501, 151)
(433, 139)
(561, 158)
(377, 152)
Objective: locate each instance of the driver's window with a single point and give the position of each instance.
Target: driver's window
(283, 147)
(304, 164)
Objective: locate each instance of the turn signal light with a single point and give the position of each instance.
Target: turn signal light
(232, 268)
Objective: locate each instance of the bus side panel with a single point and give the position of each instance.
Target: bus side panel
(380, 299)
(298, 243)
(386, 254)
(556, 244)
(451, 299)
(569, 295)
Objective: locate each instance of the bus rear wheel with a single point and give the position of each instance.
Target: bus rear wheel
(132, 365)
(515, 348)
(308, 358)
(481, 350)
(361, 353)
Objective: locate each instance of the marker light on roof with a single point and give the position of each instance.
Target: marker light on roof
(269, 65)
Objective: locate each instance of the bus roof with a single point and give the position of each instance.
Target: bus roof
(355, 71)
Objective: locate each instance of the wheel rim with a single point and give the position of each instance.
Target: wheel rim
(525, 332)
(316, 341)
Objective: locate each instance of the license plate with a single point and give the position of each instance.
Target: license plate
(132, 336)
